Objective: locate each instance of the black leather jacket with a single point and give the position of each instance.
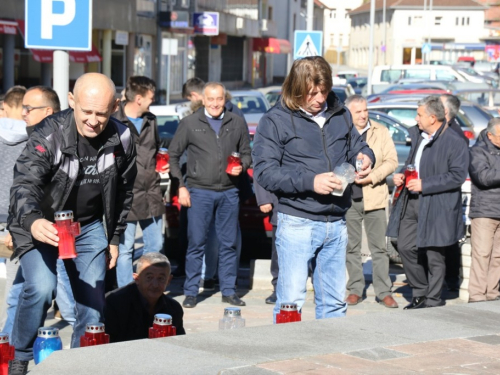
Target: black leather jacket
(45, 173)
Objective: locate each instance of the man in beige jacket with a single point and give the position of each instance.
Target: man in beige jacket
(369, 199)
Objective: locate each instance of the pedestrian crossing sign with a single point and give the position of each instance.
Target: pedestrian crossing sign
(307, 43)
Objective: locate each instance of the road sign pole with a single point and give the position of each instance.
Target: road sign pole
(168, 80)
(370, 51)
(310, 14)
(61, 76)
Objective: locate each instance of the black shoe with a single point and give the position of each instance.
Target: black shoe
(189, 302)
(440, 303)
(18, 367)
(271, 300)
(233, 300)
(416, 303)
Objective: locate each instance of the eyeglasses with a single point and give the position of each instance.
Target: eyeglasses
(28, 109)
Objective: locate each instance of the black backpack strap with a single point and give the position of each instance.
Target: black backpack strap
(350, 125)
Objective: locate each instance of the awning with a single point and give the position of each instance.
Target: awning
(271, 45)
(46, 55)
(8, 27)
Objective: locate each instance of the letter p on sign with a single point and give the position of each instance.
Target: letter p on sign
(51, 19)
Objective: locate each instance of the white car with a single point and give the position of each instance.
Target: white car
(168, 118)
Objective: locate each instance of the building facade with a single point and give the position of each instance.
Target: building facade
(337, 29)
(131, 37)
(452, 28)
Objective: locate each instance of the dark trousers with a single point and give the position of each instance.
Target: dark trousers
(183, 241)
(223, 206)
(416, 261)
(453, 266)
(274, 261)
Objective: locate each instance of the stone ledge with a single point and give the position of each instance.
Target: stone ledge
(216, 352)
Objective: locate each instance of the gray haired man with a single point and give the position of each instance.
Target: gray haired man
(427, 217)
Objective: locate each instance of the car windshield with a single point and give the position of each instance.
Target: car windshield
(167, 125)
(404, 115)
(397, 132)
(249, 104)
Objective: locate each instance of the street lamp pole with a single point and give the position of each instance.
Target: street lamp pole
(370, 51)
(384, 28)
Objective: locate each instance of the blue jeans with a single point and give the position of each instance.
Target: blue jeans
(211, 257)
(153, 243)
(86, 273)
(64, 295)
(323, 244)
(222, 207)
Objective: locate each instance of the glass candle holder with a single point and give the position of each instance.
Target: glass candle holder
(288, 313)
(232, 319)
(67, 230)
(6, 353)
(47, 342)
(162, 327)
(95, 334)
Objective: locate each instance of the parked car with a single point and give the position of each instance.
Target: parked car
(273, 96)
(347, 74)
(168, 118)
(405, 112)
(252, 103)
(400, 137)
(343, 91)
(358, 83)
(488, 100)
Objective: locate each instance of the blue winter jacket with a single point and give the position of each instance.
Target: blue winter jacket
(287, 155)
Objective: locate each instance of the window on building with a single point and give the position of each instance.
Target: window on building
(270, 14)
(437, 21)
(467, 21)
(333, 13)
(294, 21)
(347, 13)
(457, 21)
(409, 21)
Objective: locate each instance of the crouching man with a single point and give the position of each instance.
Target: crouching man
(130, 310)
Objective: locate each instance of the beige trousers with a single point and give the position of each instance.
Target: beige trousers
(485, 267)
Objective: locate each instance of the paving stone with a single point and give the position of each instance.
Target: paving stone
(292, 366)
(377, 354)
(438, 361)
(358, 365)
(487, 339)
(247, 370)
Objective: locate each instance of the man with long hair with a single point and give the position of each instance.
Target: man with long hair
(298, 144)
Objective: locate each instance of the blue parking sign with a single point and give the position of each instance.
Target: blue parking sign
(59, 24)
